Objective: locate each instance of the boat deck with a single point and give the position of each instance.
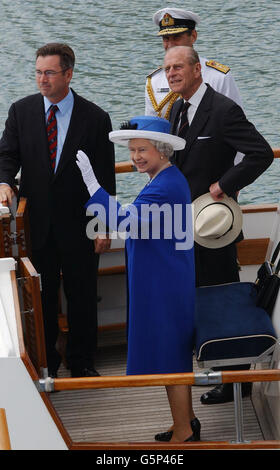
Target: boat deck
(137, 414)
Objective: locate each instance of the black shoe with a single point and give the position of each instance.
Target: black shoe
(166, 436)
(224, 394)
(196, 426)
(84, 372)
(191, 438)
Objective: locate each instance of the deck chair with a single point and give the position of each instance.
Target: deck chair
(14, 232)
(22, 229)
(5, 233)
(15, 242)
(232, 330)
(31, 314)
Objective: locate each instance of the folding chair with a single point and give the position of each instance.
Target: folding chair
(231, 330)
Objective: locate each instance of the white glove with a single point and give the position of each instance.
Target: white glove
(87, 172)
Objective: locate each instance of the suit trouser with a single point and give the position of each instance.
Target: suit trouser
(78, 265)
(217, 266)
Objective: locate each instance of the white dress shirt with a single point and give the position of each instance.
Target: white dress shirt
(195, 101)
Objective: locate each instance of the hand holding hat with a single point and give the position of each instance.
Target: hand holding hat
(87, 172)
(216, 192)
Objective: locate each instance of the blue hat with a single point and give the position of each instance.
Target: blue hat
(147, 127)
(151, 123)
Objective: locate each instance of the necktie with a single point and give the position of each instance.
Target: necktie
(52, 134)
(184, 124)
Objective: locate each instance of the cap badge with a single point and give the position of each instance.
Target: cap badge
(167, 20)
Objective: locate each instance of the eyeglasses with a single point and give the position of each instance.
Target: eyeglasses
(48, 73)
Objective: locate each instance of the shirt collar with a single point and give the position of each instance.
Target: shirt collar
(198, 95)
(62, 105)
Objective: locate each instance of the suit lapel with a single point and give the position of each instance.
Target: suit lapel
(199, 120)
(175, 115)
(39, 130)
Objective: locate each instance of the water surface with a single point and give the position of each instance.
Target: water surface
(116, 47)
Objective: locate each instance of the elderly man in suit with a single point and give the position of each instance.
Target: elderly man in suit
(41, 137)
(215, 128)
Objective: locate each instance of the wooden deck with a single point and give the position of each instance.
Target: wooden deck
(137, 414)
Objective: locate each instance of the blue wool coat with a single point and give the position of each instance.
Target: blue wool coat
(160, 273)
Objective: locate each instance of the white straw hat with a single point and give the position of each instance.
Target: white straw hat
(216, 223)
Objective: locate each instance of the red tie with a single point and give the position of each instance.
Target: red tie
(52, 134)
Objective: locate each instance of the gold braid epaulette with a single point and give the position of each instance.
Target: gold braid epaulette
(171, 97)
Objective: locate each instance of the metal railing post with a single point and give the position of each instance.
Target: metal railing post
(238, 412)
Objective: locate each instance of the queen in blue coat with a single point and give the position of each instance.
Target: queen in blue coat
(160, 261)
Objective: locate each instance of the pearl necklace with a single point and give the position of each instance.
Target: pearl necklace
(162, 168)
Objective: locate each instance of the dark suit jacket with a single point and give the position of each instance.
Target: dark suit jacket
(219, 129)
(58, 198)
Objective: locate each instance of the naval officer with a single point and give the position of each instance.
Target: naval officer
(177, 27)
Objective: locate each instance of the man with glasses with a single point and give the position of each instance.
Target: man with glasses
(42, 135)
